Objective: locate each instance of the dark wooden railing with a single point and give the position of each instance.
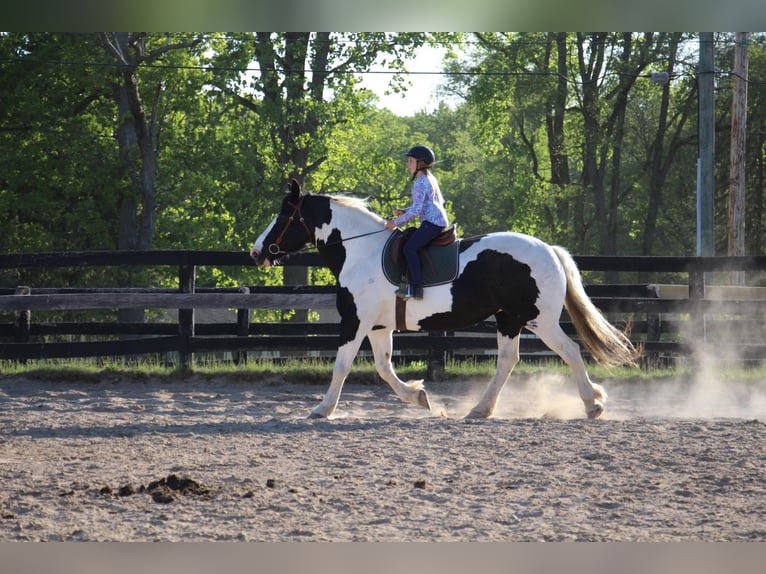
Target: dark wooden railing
(664, 325)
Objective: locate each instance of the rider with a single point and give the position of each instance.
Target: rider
(428, 205)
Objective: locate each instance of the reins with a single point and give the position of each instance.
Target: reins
(274, 248)
(355, 237)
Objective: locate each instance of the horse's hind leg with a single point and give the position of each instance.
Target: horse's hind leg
(593, 395)
(507, 358)
(382, 347)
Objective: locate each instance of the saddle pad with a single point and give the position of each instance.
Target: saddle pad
(439, 264)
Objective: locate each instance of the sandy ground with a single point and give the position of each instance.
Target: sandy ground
(204, 460)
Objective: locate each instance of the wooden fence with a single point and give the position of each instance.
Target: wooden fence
(667, 320)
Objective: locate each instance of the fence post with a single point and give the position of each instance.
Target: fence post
(697, 318)
(243, 329)
(23, 321)
(187, 275)
(653, 327)
(436, 359)
(296, 275)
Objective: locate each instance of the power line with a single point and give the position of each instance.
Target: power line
(514, 41)
(455, 73)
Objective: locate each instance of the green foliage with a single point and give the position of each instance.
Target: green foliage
(55, 148)
(562, 136)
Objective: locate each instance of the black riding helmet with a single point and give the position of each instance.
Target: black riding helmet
(422, 153)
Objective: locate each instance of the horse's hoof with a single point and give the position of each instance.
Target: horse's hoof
(596, 411)
(474, 414)
(316, 415)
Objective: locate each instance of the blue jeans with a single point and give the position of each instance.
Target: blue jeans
(422, 236)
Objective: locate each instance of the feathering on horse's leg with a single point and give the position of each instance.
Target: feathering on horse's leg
(343, 361)
(507, 358)
(382, 347)
(592, 394)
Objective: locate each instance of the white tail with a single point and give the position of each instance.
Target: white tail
(607, 344)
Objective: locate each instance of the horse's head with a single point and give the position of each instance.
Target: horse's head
(286, 233)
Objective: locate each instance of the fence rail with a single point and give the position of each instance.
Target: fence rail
(662, 323)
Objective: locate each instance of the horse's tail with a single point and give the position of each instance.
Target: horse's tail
(607, 344)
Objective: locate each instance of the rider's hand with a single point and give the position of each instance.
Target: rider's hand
(390, 224)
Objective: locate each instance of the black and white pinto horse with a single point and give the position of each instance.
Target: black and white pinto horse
(519, 279)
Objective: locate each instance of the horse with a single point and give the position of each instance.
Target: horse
(520, 280)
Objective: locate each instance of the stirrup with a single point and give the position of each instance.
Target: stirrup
(404, 292)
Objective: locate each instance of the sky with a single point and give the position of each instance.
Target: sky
(420, 95)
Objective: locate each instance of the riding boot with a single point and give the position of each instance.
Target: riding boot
(417, 292)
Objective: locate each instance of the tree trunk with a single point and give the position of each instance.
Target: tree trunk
(657, 171)
(590, 66)
(139, 155)
(554, 123)
(616, 139)
(135, 139)
(126, 143)
(554, 120)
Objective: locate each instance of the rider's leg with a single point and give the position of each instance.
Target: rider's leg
(422, 236)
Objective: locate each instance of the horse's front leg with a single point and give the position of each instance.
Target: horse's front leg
(343, 361)
(410, 392)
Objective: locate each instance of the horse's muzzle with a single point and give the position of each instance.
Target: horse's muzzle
(260, 259)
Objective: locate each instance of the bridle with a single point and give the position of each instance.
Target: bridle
(274, 248)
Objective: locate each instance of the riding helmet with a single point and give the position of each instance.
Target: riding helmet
(423, 153)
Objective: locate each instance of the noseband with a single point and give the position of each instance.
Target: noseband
(274, 248)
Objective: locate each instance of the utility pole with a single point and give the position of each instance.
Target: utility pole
(737, 154)
(706, 145)
(705, 172)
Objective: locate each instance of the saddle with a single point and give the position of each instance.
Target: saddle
(439, 259)
(439, 262)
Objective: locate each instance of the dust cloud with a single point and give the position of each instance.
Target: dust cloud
(708, 395)
(716, 381)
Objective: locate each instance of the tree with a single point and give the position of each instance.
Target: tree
(756, 151)
(305, 85)
(569, 110)
(55, 159)
(138, 129)
(303, 90)
(561, 135)
(504, 113)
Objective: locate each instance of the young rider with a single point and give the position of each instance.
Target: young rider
(428, 206)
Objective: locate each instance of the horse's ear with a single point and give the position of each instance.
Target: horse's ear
(295, 190)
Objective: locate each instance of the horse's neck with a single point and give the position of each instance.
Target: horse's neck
(351, 236)
(350, 222)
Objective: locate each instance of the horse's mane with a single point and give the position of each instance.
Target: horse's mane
(353, 202)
